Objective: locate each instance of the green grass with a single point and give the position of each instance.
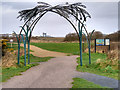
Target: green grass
(7, 73)
(82, 83)
(60, 47)
(94, 57)
(95, 68)
(15, 47)
(36, 59)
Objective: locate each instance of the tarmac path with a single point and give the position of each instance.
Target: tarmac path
(56, 73)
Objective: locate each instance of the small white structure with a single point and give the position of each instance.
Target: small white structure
(11, 41)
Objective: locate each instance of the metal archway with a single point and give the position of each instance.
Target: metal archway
(75, 10)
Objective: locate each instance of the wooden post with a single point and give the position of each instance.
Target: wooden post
(83, 46)
(95, 45)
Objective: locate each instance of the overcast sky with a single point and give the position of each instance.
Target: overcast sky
(104, 18)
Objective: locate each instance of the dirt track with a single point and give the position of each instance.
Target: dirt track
(44, 53)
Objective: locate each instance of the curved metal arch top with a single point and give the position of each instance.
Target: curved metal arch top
(75, 10)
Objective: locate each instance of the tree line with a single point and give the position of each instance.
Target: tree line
(96, 35)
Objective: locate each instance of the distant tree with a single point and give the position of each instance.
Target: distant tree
(113, 36)
(73, 37)
(97, 34)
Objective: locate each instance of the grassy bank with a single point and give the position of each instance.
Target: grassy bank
(105, 70)
(7, 73)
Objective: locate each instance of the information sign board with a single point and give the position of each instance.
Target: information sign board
(100, 42)
(107, 41)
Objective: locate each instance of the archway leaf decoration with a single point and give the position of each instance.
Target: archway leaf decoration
(77, 10)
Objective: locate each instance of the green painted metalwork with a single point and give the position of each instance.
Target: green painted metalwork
(18, 48)
(24, 41)
(29, 46)
(85, 36)
(28, 42)
(89, 45)
(28, 52)
(80, 42)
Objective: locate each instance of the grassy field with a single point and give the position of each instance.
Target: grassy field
(82, 83)
(60, 47)
(7, 73)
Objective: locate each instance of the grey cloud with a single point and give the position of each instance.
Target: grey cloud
(103, 9)
(104, 18)
(20, 5)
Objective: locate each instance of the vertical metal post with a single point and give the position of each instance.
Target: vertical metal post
(90, 47)
(88, 42)
(109, 44)
(25, 51)
(89, 53)
(28, 29)
(18, 48)
(81, 50)
(18, 53)
(80, 42)
(24, 41)
(27, 40)
(11, 44)
(109, 47)
(28, 52)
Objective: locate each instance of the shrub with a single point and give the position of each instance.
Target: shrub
(8, 60)
(4, 46)
(71, 37)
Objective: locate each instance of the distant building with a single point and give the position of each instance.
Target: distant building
(5, 35)
(9, 35)
(44, 34)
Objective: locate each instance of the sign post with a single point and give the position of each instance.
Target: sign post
(107, 43)
(11, 41)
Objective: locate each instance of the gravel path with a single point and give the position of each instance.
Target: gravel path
(39, 52)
